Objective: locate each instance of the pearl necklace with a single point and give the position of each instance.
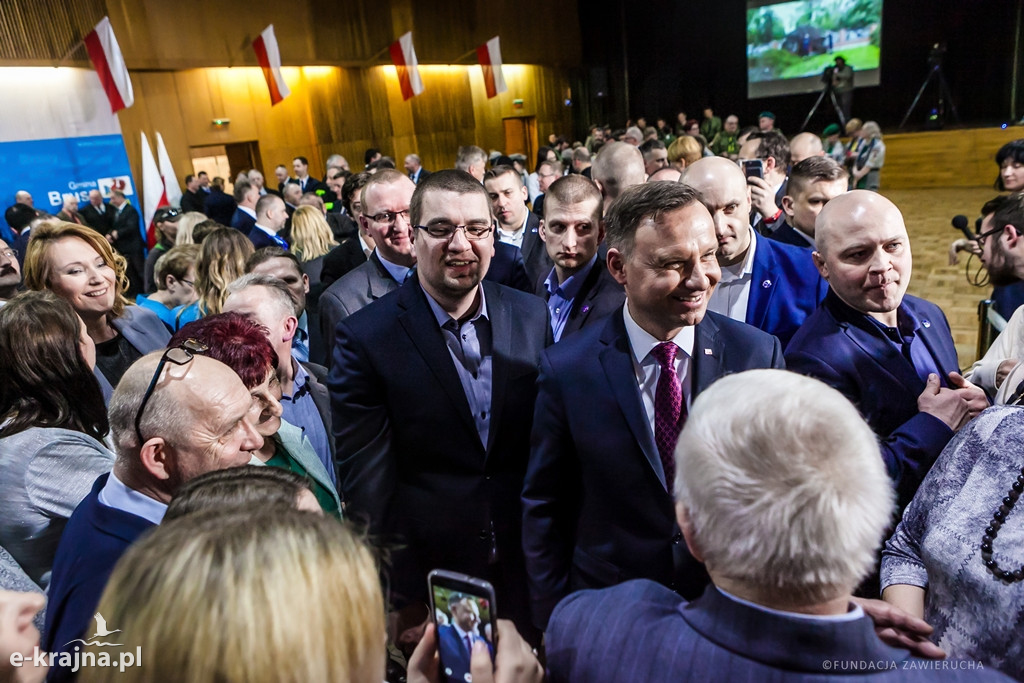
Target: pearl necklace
(992, 530)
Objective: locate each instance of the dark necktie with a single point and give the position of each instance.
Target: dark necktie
(669, 410)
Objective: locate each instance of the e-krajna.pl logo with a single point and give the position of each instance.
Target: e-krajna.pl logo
(76, 658)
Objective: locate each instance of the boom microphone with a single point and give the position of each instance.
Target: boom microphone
(960, 223)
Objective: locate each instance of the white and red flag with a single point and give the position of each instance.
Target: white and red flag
(106, 58)
(172, 190)
(270, 61)
(404, 57)
(489, 55)
(153, 194)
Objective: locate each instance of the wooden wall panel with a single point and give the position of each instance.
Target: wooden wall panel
(952, 158)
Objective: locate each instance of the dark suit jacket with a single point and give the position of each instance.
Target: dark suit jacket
(242, 221)
(261, 239)
(599, 296)
(844, 349)
(342, 226)
(410, 460)
(419, 176)
(129, 243)
(193, 201)
(99, 220)
(220, 206)
(535, 254)
(597, 510)
(787, 234)
(765, 227)
(312, 185)
(648, 634)
(453, 652)
(94, 539)
(785, 288)
(341, 260)
(360, 287)
(507, 268)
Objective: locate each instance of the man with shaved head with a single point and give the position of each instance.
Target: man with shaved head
(804, 146)
(618, 166)
(767, 284)
(890, 353)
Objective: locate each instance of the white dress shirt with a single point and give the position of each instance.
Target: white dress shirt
(115, 494)
(647, 367)
(514, 238)
(732, 294)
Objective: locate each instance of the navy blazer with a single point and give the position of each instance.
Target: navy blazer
(410, 459)
(454, 654)
(261, 239)
(508, 268)
(220, 206)
(647, 633)
(535, 254)
(94, 539)
(596, 508)
(787, 234)
(785, 288)
(600, 295)
(844, 349)
(338, 261)
(242, 221)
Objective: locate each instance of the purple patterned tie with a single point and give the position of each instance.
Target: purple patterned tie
(669, 409)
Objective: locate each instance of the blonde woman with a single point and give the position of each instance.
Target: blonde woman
(269, 594)
(186, 224)
(222, 258)
(867, 169)
(78, 264)
(312, 239)
(684, 151)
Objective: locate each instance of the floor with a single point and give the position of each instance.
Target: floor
(928, 214)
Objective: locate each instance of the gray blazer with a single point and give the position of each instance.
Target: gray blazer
(144, 330)
(359, 287)
(298, 446)
(44, 474)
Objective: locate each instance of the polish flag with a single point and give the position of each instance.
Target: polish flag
(404, 57)
(108, 61)
(172, 190)
(489, 55)
(270, 61)
(153, 194)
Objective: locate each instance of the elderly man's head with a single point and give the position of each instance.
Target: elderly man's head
(198, 418)
(864, 253)
(803, 146)
(785, 504)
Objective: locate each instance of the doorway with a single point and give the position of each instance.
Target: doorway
(227, 161)
(521, 137)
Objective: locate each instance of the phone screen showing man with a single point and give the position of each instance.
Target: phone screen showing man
(463, 621)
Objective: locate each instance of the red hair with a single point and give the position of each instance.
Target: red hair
(236, 341)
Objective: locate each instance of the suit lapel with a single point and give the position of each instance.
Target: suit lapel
(708, 356)
(499, 310)
(531, 238)
(879, 350)
(762, 288)
(380, 279)
(583, 301)
(419, 323)
(617, 360)
(934, 341)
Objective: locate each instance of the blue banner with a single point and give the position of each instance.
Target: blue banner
(56, 169)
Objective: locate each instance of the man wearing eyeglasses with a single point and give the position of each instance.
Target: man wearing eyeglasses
(432, 390)
(10, 273)
(174, 416)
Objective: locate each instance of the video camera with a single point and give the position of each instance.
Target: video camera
(827, 74)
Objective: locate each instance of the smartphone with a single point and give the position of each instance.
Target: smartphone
(753, 168)
(464, 610)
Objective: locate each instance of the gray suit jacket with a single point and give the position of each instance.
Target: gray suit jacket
(144, 330)
(360, 286)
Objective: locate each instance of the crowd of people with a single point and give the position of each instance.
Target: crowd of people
(665, 392)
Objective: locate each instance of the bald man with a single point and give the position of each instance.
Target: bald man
(803, 146)
(767, 284)
(890, 353)
(619, 165)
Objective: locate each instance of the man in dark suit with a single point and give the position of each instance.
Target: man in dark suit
(517, 225)
(126, 238)
(219, 205)
(414, 167)
(246, 196)
(784, 498)
(890, 353)
(193, 198)
(597, 498)
(270, 219)
(813, 183)
(432, 389)
(580, 290)
(769, 285)
(146, 475)
(306, 182)
(97, 214)
(346, 257)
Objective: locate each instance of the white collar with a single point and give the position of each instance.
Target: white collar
(116, 495)
(643, 342)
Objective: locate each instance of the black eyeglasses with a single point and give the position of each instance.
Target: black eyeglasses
(389, 217)
(446, 231)
(980, 237)
(179, 355)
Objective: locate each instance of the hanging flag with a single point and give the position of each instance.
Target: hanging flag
(270, 61)
(404, 57)
(489, 55)
(153, 194)
(172, 190)
(108, 61)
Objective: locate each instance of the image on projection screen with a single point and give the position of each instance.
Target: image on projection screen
(789, 44)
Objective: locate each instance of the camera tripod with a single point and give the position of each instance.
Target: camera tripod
(830, 91)
(944, 93)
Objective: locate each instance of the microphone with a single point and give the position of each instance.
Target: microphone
(960, 223)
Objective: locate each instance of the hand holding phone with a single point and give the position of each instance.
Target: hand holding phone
(515, 662)
(753, 168)
(464, 611)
